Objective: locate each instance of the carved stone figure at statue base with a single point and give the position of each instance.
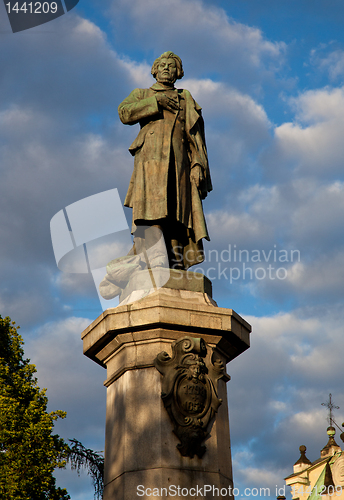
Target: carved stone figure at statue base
(148, 252)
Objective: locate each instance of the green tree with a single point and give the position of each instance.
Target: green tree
(29, 452)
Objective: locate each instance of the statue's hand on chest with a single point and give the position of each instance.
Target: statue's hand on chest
(166, 102)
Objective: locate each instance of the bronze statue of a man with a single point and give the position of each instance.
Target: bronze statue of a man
(171, 174)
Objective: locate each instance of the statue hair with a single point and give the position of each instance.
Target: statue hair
(169, 55)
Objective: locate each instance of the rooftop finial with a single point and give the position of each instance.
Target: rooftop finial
(330, 407)
(303, 459)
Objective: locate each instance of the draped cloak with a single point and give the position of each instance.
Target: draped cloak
(168, 142)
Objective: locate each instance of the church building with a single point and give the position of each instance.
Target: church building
(322, 479)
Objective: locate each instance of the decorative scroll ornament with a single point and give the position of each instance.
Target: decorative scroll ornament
(189, 392)
(338, 471)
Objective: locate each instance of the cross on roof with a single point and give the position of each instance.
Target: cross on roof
(330, 407)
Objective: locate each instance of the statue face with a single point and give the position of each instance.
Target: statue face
(195, 371)
(167, 71)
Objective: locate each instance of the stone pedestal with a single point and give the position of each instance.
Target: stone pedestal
(140, 448)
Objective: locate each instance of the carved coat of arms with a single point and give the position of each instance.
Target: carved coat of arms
(189, 392)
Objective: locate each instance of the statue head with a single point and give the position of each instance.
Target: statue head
(167, 68)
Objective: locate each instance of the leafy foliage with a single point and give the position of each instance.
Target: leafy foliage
(80, 457)
(29, 452)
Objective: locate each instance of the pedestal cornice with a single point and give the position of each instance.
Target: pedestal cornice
(166, 314)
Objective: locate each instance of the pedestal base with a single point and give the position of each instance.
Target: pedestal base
(140, 449)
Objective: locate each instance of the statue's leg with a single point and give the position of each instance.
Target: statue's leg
(175, 235)
(139, 240)
(177, 250)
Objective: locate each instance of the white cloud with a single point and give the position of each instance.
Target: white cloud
(77, 285)
(277, 388)
(299, 227)
(208, 21)
(89, 29)
(14, 118)
(323, 275)
(219, 99)
(203, 35)
(74, 382)
(305, 419)
(313, 142)
(21, 305)
(332, 63)
(139, 73)
(241, 229)
(259, 478)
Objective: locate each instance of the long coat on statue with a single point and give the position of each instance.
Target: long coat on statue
(167, 147)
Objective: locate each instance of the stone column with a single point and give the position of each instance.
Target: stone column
(140, 446)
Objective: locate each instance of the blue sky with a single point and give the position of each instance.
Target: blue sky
(269, 77)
